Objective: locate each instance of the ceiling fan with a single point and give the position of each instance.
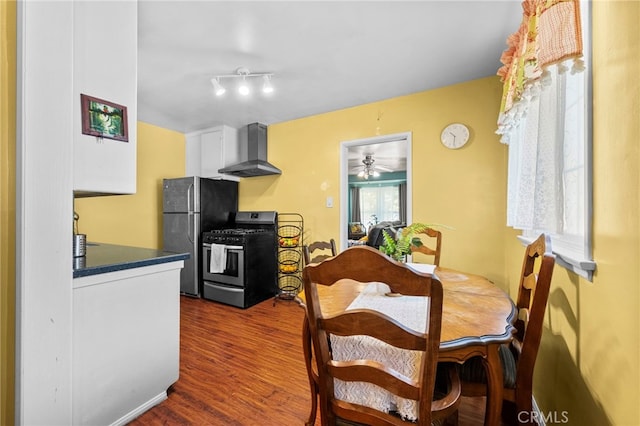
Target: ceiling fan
(369, 169)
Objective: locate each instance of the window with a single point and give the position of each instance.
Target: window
(381, 202)
(550, 173)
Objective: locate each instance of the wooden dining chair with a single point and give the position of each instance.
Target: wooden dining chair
(314, 253)
(429, 249)
(319, 251)
(519, 357)
(365, 264)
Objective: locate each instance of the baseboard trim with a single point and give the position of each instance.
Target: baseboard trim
(536, 409)
(141, 409)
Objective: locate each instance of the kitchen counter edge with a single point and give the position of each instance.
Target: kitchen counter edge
(104, 258)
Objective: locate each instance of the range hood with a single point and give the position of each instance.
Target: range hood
(256, 164)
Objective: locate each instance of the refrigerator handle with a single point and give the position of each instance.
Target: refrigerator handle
(190, 214)
(191, 224)
(189, 191)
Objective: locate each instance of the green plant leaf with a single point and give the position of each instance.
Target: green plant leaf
(388, 246)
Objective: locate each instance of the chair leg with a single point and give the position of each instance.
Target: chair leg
(308, 358)
(524, 404)
(314, 406)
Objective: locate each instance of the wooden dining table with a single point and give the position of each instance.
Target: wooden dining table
(477, 317)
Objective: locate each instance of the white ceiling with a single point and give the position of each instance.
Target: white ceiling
(325, 55)
(387, 155)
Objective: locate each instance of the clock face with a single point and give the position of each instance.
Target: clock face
(455, 136)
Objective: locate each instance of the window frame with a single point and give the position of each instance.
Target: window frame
(575, 253)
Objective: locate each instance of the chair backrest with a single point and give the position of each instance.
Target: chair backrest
(319, 251)
(429, 249)
(365, 264)
(533, 294)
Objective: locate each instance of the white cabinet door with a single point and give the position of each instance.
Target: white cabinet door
(102, 165)
(126, 342)
(208, 151)
(211, 153)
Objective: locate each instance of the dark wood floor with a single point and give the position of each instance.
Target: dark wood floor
(245, 367)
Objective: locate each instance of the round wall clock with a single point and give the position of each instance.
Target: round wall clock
(455, 136)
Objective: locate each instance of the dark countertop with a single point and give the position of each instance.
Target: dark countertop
(102, 258)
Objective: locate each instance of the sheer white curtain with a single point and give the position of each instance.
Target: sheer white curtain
(381, 202)
(536, 156)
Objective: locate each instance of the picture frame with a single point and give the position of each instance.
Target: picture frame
(104, 119)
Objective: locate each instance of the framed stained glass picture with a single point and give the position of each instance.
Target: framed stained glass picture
(104, 119)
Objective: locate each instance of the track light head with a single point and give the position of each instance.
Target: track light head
(217, 87)
(243, 89)
(267, 87)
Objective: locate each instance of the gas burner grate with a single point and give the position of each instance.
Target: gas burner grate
(238, 231)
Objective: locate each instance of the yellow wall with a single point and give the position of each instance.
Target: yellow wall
(588, 364)
(136, 220)
(8, 208)
(464, 189)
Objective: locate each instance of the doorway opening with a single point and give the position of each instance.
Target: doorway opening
(374, 191)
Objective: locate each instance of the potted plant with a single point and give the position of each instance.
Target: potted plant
(398, 246)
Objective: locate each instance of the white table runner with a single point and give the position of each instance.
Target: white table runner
(412, 312)
(425, 268)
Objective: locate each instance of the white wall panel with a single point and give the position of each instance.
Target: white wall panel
(44, 212)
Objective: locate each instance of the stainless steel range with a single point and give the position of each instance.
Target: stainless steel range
(240, 264)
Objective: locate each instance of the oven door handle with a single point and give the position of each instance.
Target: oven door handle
(226, 246)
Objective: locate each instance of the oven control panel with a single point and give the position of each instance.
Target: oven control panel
(215, 238)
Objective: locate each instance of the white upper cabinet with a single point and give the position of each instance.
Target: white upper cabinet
(105, 67)
(210, 150)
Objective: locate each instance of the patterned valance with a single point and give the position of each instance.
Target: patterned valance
(550, 32)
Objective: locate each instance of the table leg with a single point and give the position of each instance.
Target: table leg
(493, 367)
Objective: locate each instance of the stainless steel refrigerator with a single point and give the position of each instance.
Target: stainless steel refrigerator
(191, 206)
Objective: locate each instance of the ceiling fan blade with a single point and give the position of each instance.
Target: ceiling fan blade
(382, 168)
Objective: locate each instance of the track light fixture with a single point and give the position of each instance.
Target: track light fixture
(244, 88)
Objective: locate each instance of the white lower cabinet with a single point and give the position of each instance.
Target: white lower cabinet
(126, 342)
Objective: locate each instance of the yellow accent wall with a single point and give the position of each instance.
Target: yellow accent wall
(464, 189)
(136, 220)
(589, 360)
(8, 208)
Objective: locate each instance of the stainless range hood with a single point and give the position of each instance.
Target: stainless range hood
(256, 164)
